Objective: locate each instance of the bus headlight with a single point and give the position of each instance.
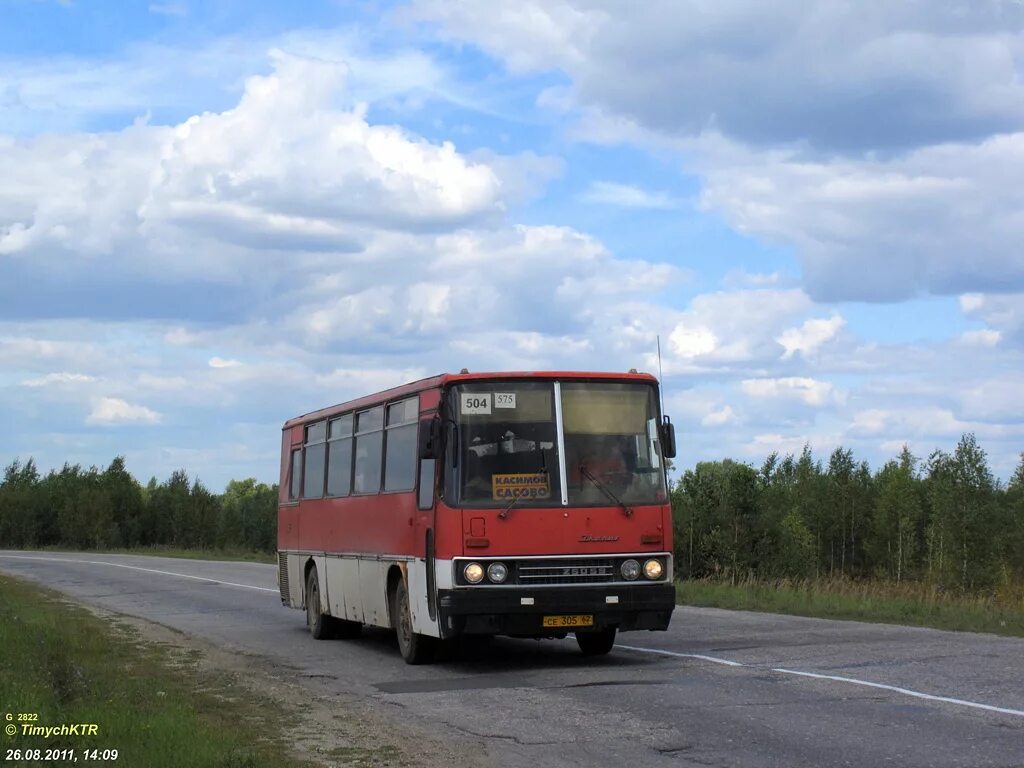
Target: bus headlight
(497, 572)
(630, 570)
(473, 573)
(653, 569)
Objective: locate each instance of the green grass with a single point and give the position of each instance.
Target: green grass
(911, 603)
(240, 555)
(66, 665)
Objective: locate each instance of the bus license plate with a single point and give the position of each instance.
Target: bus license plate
(569, 621)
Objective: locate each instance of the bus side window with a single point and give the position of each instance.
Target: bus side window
(369, 449)
(316, 456)
(339, 456)
(400, 445)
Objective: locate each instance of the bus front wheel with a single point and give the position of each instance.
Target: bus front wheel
(415, 648)
(596, 643)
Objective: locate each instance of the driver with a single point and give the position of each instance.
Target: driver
(603, 457)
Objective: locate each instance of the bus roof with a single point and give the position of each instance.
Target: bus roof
(450, 378)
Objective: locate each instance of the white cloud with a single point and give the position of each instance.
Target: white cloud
(628, 196)
(112, 411)
(809, 337)
(689, 342)
(894, 447)
(728, 328)
(873, 421)
(149, 381)
(777, 107)
(721, 417)
(528, 36)
(1003, 311)
(740, 278)
(284, 170)
(523, 176)
(793, 71)
(807, 390)
(357, 256)
(220, 362)
(353, 382)
(58, 379)
(983, 338)
(941, 218)
(28, 352)
(763, 444)
(997, 398)
(930, 423)
(66, 93)
(972, 302)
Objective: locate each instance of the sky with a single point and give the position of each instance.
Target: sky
(216, 216)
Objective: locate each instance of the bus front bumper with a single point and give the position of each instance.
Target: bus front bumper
(521, 611)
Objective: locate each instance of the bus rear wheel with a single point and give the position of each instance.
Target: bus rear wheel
(322, 626)
(319, 625)
(596, 643)
(415, 648)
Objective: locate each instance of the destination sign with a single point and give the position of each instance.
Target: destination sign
(520, 485)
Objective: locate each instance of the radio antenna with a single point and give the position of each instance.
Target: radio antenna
(661, 377)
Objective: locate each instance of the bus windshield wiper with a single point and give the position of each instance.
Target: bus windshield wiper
(504, 513)
(606, 490)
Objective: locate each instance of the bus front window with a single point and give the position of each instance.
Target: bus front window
(508, 446)
(611, 443)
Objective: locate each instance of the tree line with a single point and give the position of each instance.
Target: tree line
(99, 509)
(943, 520)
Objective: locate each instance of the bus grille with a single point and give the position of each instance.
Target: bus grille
(566, 571)
(282, 576)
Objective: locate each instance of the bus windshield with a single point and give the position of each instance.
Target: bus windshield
(516, 444)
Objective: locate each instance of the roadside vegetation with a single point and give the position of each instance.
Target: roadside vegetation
(108, 509)
(910, 603)
(936, 541)
(66, 665)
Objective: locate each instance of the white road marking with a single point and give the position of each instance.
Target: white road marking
(904, 691)
(660, 652)
(834, 678)
(137, 568)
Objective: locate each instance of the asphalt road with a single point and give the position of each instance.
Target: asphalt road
(720, 688)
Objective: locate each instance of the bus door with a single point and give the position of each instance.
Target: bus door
(426, 503)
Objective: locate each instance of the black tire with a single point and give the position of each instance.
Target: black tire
(320, 626)
(596, 643)
(415, 648)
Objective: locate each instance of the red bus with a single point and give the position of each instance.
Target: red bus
(526, 504)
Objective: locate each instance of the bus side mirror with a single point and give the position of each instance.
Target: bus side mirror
(430, 438)
(668, 438)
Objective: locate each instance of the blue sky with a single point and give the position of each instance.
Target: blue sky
(214, 216)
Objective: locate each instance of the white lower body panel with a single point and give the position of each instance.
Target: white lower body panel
(355, 587)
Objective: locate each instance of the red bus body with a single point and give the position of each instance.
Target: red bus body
(565, 561)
